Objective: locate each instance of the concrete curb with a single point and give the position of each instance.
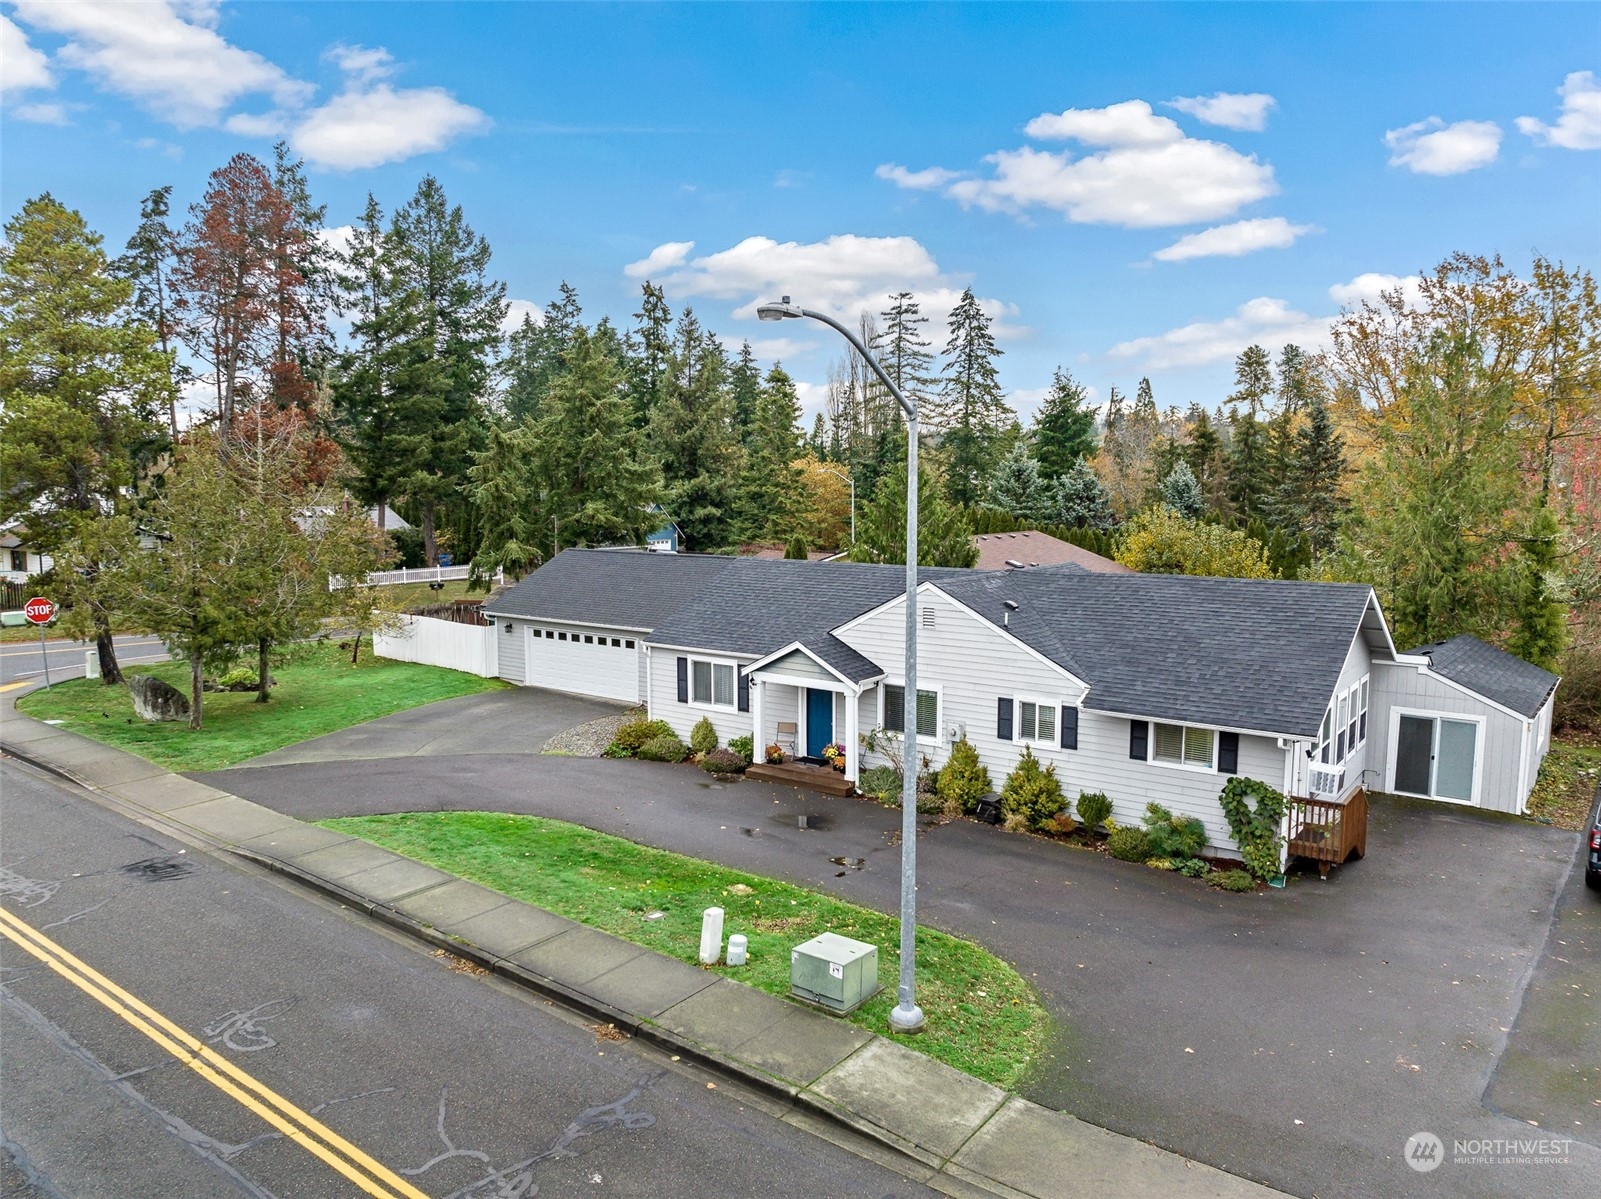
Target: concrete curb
(945, 1128)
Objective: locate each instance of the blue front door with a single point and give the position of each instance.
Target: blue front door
(819, 721)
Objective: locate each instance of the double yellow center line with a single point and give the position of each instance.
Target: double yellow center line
(300, 1127)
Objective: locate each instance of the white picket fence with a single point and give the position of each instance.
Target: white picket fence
(446, 643)
(420, 574)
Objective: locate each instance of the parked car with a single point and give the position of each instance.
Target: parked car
(1592, 869)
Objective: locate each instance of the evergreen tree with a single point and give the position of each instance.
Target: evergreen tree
(1126, 462)
(1250, 468)
(771, 500)
(650, 352)
(83, 381)
(1308, 504)
(905, 353)
(1082, 501)
(303, 287)
(1064, 426)
(795, 548)
(534, 353)
(505, 489)
(1203, 450)
(692, 432)
(817, 443)
(971, 413)
(1541, 630)
(455, 312)
(943, 535)
(1181, 492)
(745, 390)
(1298, 382)
(149, 262)
(1019, 487)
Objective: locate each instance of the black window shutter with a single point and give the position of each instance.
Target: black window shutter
(744, 689)
(894, 708)
(683, 680)
(1138, 733)
(1228, 753)
(1003, 719)
(1069, 727)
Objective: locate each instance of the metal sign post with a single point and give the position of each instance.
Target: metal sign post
(39, 611)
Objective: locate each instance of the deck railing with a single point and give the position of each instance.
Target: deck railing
(1329, 831)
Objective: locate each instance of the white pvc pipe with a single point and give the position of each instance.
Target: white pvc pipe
(711, 936)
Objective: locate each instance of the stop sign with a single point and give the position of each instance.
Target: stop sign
(39, 610)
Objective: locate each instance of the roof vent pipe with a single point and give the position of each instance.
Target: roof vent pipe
(1006, 617)
(1013, 564)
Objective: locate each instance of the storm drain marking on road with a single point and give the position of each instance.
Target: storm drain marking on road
(160, 870)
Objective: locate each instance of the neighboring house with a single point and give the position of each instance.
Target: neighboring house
(1030, 547)
(19, 560)
(1146, 687)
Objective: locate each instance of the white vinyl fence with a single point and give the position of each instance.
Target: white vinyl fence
(420, 574)
(446, 643)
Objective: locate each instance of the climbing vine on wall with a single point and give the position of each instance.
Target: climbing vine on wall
(1256, 830)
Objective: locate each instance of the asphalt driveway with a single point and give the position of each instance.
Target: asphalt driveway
(516, 721)
(1297, 1037)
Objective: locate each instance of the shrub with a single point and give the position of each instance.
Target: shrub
(723, 761)
(881, 782)
(1233, 880)
(964, 781)
(636, 732)
(1094, 809)
(1032, 791)
(617, 751)
(745, 747)
(1193, 868)
(703, 737)
(664, 749)
(1170, 836)
(1061, 824)
(1129, 844)
(1160, 863)
(1256, 831)
(239, 678)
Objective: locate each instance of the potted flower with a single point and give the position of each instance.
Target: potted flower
(775, 755)
(834, 755)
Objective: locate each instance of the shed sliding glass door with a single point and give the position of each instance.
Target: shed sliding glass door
(1435, 757)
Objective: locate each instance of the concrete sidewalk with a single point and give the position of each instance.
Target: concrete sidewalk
(949, 1130)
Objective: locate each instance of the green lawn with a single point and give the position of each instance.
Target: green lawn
(983, 1017)
(318, 692)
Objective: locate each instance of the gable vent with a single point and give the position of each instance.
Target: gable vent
(928, 618)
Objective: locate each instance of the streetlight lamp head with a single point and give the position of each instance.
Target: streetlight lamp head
(779, 311)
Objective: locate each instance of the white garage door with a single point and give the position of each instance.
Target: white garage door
(599, 662)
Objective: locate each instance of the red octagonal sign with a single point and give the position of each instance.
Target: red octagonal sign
(39, 610)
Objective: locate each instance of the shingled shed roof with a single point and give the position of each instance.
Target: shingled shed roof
(1493, 673)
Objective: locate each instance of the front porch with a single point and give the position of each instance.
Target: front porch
(804, 704)
(807, 775)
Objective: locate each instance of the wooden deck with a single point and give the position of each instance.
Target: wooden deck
(824, 779)
(1327, 832)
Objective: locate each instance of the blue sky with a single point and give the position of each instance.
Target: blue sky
(1132, 189)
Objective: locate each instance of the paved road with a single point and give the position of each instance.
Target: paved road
(453, 1084)
(21, 662)
(1297, 1038)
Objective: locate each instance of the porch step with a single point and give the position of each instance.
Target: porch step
(799, 774)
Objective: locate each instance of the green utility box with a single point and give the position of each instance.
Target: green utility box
(834, 972)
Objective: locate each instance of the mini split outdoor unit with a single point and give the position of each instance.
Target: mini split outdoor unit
(834, 972)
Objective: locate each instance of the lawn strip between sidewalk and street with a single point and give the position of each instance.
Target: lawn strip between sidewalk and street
(990, 1023)
(318, 691)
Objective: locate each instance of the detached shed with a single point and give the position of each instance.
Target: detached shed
(1463, 722)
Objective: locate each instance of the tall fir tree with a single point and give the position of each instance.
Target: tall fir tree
(692, 432)
(650, 352)
(770, 496)
(745, 390)
(534, 353)
(971, 413)
(1203, 450)
(904, 351)
(1540, 629)
(1064, 426)
(1307, 504)
(455, 311)
(149, 261)
(944, 537)
(303, 288)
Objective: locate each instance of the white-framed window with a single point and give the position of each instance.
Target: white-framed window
(1184, 745)
(1345, 724)
(1036, 722)
(711, 683)
(893, 715)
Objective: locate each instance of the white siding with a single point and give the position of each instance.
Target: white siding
(512, 638)
(973, 664)
(1501, 786)
(664, 705)
(800, 666)
(1363, 767)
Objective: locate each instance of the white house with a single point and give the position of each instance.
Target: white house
(18, 558)
(1147, 687)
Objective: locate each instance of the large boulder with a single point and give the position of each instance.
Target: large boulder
(155, 699)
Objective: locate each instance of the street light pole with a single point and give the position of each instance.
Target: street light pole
(906, 1016)
(839, 474)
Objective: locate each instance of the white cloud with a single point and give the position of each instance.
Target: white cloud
(363, 63)
(1579, 126)
(1231, 241)
(516, 310)
(164, 56)
(929, 179)
(1432, 147)
(843, 275)
(369, 125)
(1263, 320)
(1370, 288)
(1146, 172)
(768, 349)
(813, 399)
(664, 257)
(337, 239)
(21, 66)
(42, 114)
(1245, 111)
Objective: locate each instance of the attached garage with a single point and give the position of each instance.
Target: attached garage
(597, 661)
(1462, 722)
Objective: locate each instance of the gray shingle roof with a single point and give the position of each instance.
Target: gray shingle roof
(620, 588)
(759, 605)
(1491, 672)
(1240, 653)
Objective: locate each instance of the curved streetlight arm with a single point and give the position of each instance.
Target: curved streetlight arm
(872, 363)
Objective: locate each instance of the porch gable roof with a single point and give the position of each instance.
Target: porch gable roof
(830, 653)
